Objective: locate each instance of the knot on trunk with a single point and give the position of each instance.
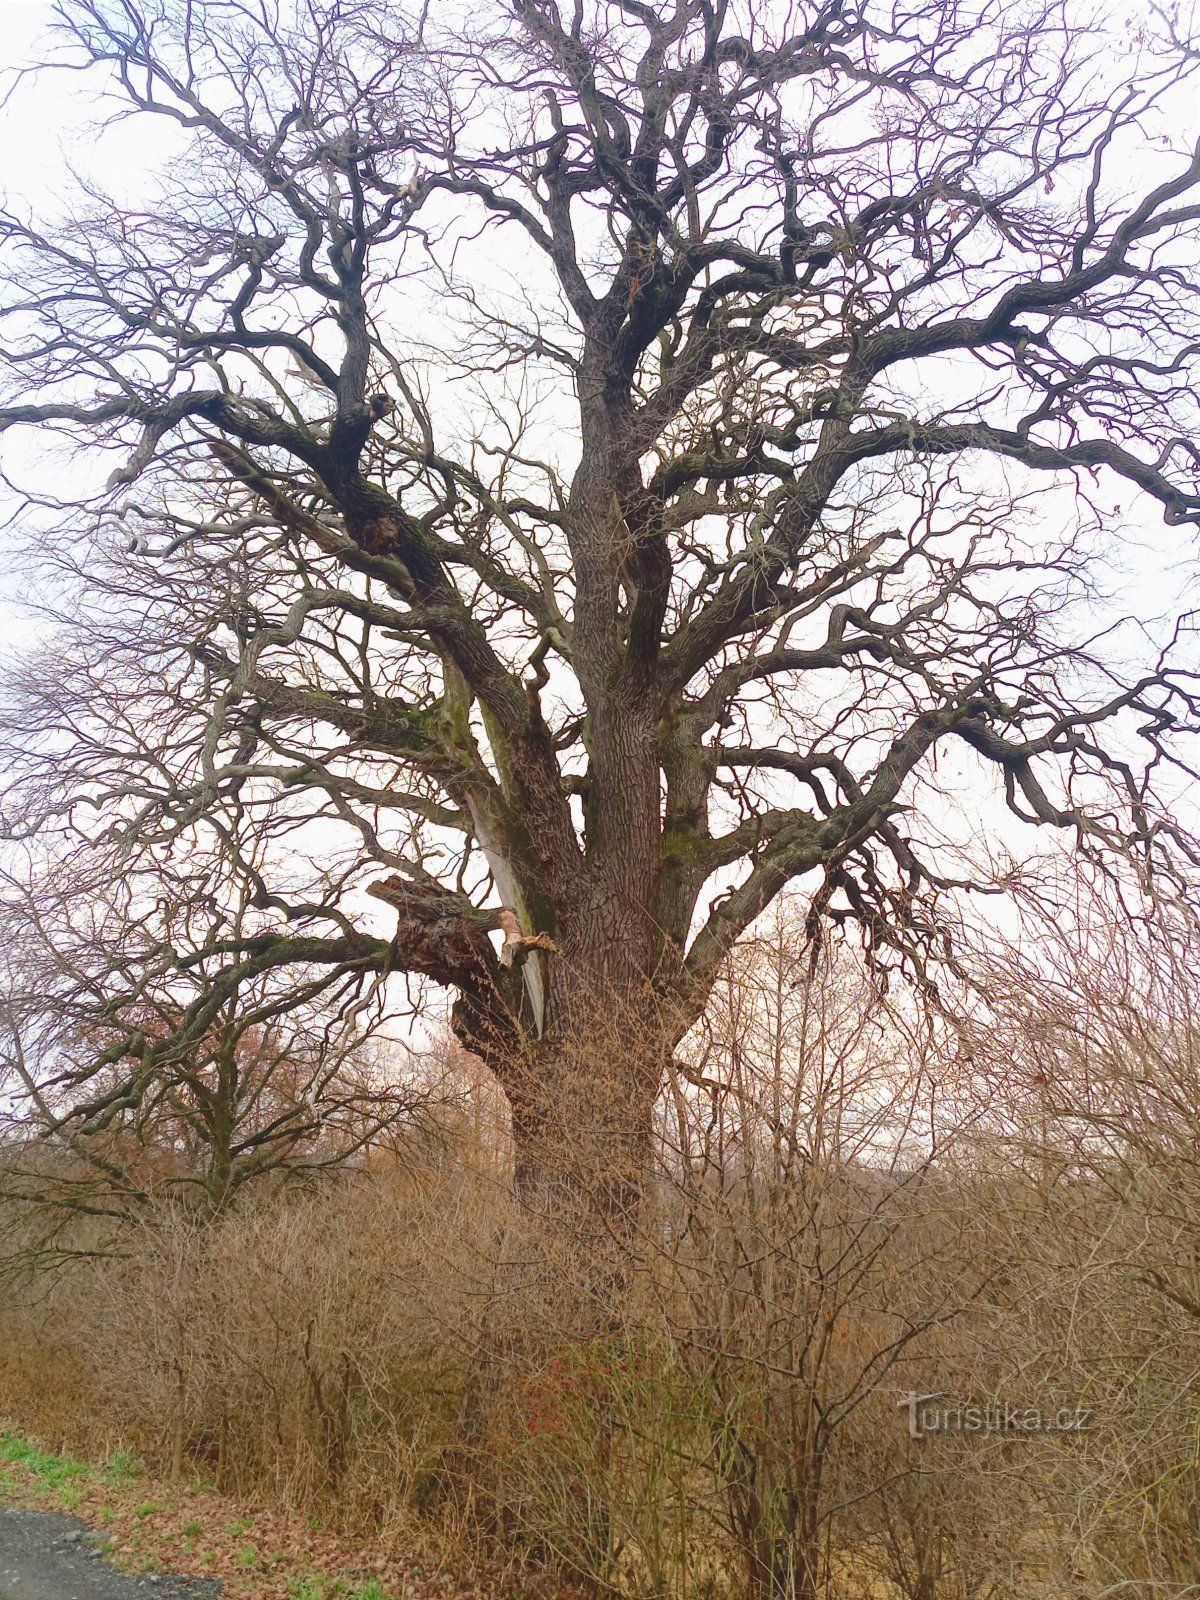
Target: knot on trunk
(439, 933)
(379, 536)
(444, 937)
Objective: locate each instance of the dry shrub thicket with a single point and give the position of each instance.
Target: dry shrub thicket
(849, 1204)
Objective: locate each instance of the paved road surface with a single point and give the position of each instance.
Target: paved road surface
(45, 1556)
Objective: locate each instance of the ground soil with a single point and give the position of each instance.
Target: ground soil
(45, 1555)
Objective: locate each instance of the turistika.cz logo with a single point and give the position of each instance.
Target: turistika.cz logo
(936, 1413)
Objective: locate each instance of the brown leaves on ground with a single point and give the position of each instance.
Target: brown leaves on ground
(258, 1552)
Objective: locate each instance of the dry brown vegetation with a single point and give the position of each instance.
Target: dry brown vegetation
(548, 484)
(848, 1204)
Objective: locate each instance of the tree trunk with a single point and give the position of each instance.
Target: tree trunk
(581, 1095)
(775, 1501)
(582, 1121)
(582, 1146)
(178, 1423)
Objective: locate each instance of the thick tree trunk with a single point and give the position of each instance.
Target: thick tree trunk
(582, 1086)
(582, 1121)
(582, 1138)
(558, 1335)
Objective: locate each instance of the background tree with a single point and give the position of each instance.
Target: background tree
(814, 1248)
(602, 467)
(146, 1065)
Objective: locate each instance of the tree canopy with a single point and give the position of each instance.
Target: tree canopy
(575, 471)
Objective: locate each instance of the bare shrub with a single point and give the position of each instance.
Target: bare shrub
(798, 1246)
(848, 1203)
(311, 1348)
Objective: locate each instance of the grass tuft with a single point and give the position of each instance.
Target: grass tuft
(52, 1470)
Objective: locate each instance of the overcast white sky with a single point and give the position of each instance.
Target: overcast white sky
(48, 129)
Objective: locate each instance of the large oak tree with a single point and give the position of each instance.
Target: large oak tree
(577, 470)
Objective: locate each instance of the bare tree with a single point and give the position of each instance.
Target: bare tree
(1089, 1043)
(816, 1244)
(595, 465)
(146, 1065)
